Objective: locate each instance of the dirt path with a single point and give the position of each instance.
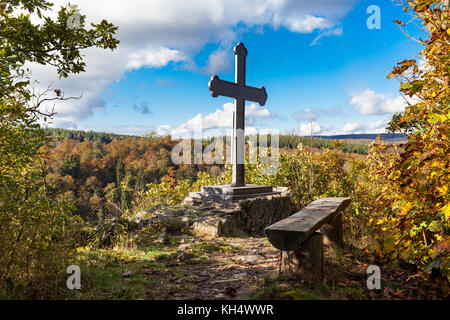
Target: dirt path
(238, 268)
(232, 272)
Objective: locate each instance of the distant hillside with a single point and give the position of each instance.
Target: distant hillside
(352, 143)
(365, 136)
(81, 136)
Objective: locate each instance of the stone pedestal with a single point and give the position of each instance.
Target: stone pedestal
(229, 193)
(228, 211)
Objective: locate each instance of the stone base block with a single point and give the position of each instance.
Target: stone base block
(229, 193)
(244, 216)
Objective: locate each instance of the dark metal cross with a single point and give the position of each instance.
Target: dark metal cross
(240, 92)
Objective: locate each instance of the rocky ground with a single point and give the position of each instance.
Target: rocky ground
(181, 266)
(249, 269)
(176, 253)
(233, 269)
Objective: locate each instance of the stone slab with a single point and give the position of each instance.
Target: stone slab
(228, 189)
(227, 193)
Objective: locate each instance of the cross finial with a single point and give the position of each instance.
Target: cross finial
(240, 49)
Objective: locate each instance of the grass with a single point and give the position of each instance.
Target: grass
(283, 287)
(354, 293)
(119, 273)
(280, 292)
(103, 277)
(125, 272)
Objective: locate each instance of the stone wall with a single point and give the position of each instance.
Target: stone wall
(212, 219)
(259, 213)
(250, 216)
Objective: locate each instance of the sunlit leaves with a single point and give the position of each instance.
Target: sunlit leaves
(37, 232)
(416, 179)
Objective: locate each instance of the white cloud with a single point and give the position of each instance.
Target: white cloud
(306, 24)
(254, 111)
(338, 31)
(371, 102)
(306, 128)
(423, 65)
(353, 127)
(218, 61)
(311, 128)
(154, 58)
(377, 126)
(219, 121)
(155, 33)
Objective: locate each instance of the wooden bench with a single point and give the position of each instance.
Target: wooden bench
(301, 237)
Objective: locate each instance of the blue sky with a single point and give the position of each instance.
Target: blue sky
(326, 70)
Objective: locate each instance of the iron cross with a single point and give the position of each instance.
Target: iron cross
(240, 92)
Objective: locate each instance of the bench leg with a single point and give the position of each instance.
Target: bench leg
(306, 262)
(332, 236)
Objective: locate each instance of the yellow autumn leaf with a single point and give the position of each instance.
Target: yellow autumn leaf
(446, 211)
(406, 208)
(442, 190)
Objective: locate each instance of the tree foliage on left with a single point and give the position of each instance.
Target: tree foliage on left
(36, 229)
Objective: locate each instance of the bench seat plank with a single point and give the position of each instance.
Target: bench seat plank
(288, 234)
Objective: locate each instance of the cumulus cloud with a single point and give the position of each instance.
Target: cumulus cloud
(371, 102)
(218, 61)
(377, 126)
(154, 58)
(314, 128)
(156, 33)
(306, 24)
(219, 121)
(353, 127)
(311, 128)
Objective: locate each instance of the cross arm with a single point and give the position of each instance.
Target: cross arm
(219, 87)
(255, 94)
